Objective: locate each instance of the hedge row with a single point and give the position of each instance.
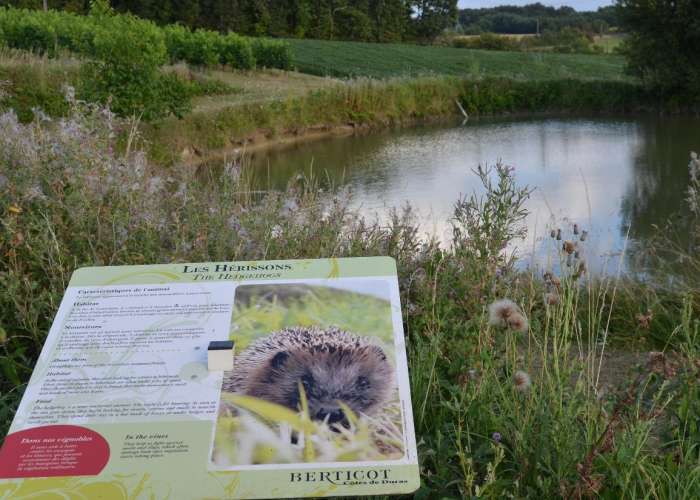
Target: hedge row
(54, 31)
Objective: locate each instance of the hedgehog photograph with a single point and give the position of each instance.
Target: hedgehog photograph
(333, 366)
(316, 353)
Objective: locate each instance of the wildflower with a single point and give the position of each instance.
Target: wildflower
(556, 281)
(276, 231)
(569, 247)
(522, 381)
(518, 322)
(501, 310)
(14, 209)
(496, 436)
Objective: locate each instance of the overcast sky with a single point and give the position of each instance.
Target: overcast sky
(576, 4)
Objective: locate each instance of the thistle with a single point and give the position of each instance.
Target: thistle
(500, 311)
(551, 299)
(506, 313)
(569, 247)
(518, 322)
(522, 381)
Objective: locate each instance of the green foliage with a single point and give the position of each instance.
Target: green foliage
(432, 17)
(511, 19)
(663, 45)
(52, 32)
(126, 73)
(272, 53)
(354, 59)
(378, 20)
(29, 84)
(259, 314)
(239, 52)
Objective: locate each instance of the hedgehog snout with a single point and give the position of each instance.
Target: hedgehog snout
(334, 415)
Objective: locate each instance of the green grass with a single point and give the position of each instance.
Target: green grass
(355, 59)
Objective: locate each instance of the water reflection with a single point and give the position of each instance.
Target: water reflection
(612, 176)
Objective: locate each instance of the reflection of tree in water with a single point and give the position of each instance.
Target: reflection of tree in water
(660, 178)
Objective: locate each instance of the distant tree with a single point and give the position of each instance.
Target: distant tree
(431, 17)
(390, 19)
(663, 46)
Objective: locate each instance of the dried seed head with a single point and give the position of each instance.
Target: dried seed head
(551, 298)
(569, 247)
(569, 260)
(553, 233)
(501, 310)
(556, 281)
(522, 381)
(576, 229)
(558, 234)
(518, 322)
(584, 235)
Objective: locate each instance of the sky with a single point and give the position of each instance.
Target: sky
(576, 4)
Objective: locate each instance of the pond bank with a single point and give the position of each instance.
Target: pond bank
(369, 104)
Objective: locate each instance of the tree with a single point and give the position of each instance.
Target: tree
(431, 17)
(663, 46)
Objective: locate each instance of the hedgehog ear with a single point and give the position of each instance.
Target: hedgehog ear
(279, 359)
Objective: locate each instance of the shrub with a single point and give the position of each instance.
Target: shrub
(126, 70)
(237, 52)
(272, 53)
(50, 32)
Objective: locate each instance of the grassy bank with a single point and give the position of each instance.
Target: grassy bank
(385, 60)
(370, 103)
(528, 408)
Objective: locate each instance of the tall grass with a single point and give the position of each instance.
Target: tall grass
(502, 408)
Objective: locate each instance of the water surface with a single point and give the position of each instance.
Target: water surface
(614, 177)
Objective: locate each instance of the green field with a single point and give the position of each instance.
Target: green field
(358, 59)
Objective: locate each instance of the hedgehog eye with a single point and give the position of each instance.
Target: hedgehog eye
(279, 359)
(362, 383)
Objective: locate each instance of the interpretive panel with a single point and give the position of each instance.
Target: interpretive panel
(122, 402)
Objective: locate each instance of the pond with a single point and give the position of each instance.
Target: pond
(616, 178)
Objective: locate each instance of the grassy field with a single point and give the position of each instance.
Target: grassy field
(260, 87)
(357, 59)
(609, 42)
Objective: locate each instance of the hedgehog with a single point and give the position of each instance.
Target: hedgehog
(332, 366)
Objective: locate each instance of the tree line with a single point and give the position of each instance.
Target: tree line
(361, 20)
(534, 18)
